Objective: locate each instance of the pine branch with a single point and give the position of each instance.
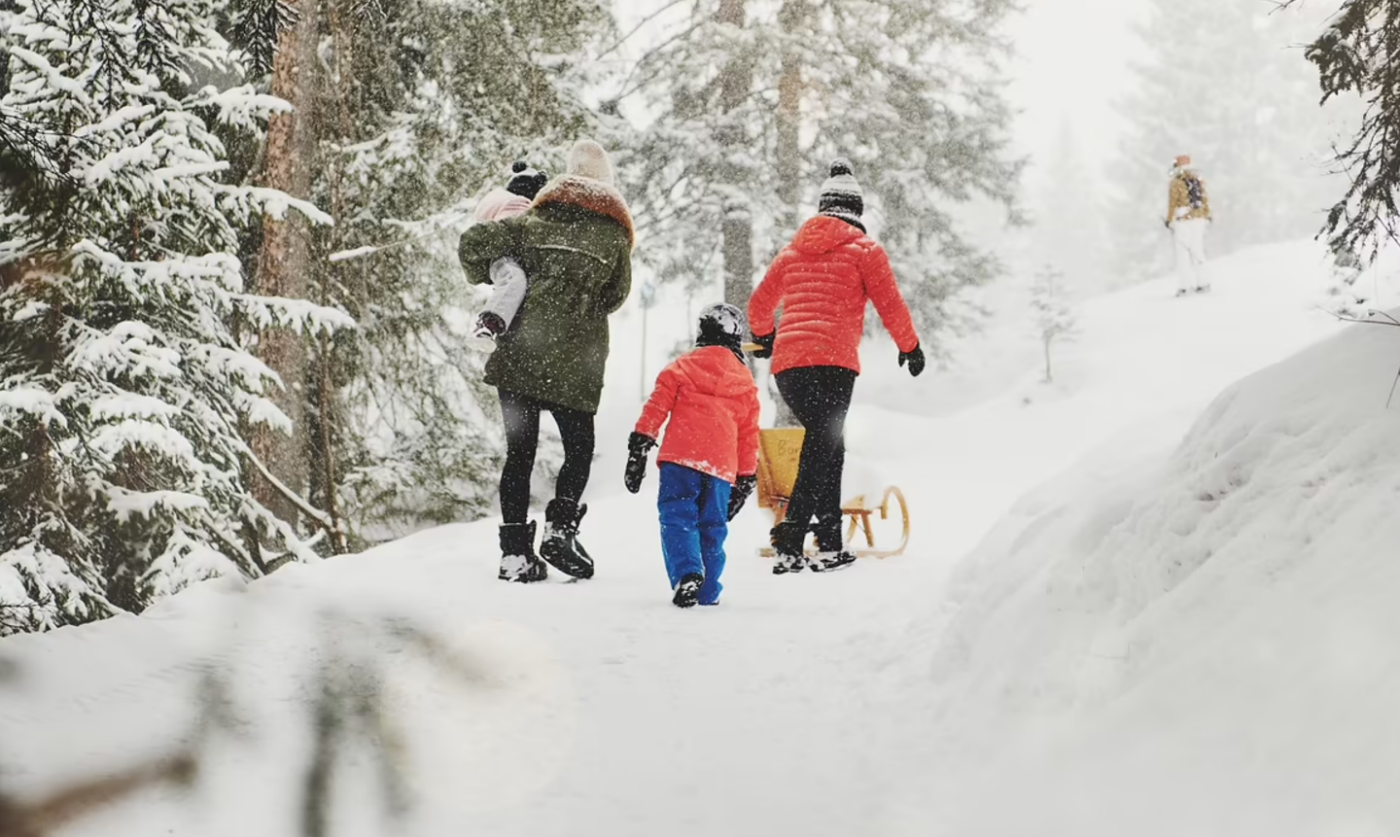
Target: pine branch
(1388, 321)
(644, 21)
(295, 499)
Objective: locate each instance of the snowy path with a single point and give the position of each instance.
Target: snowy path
(607, 705)
(604, 709)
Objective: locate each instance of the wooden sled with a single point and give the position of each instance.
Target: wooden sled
(778, 453)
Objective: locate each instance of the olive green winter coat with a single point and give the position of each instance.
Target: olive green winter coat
(575, 246)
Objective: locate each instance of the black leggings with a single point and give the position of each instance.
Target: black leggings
(819, 396)
(521, 415)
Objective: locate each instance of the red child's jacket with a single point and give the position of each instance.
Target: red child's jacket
(823, 280)
(712, 403)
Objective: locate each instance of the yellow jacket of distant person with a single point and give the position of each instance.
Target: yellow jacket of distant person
(1179, 201)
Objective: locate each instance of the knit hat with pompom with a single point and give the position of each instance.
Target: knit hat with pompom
(588, 159)
(841, 194)
(525, 181)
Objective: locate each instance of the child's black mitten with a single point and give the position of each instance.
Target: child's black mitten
(765, 343)
(915, 358)
(739, 494)
(637, 447)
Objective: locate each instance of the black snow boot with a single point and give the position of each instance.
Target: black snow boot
(787, 538)
(518, 559)
(560, 546)
(688, 591)
(832, 553)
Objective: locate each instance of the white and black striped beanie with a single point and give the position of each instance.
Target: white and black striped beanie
(525, 180)
(841, 194)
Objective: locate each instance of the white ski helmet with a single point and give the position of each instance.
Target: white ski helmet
(721, 324)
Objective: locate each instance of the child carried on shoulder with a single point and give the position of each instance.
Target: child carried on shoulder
(508, 280)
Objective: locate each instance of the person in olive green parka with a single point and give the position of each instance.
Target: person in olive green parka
(575, 245)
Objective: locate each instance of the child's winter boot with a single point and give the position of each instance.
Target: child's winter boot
(518, 559)
(560, 546)
(787, 540)
(832, 553)
(489, 326)
(688, 590)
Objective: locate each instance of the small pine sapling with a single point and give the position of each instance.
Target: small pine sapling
(1054, 319)
(1342, 295)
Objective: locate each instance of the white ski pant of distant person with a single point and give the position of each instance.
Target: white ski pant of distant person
(1190, 234)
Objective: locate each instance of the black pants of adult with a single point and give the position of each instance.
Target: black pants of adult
(521, 415)
(820, 397)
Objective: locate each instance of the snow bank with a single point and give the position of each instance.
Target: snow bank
(1198, 641)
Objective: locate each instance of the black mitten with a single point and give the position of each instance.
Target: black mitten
(637, 448)
(915, 358)
(739, 494)
(767, 343)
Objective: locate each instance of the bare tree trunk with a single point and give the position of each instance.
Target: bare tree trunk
(283, 262)
(323, 451)
(790, 18)
(736, 83)
(1047, 360)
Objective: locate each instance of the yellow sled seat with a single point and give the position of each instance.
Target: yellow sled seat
(779, 451)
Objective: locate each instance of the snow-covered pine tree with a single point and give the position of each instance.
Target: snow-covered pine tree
(1225, 83)
(1344, 295)
(910, 91)
(122, 384)
(1067, 225)
(423, 106)
(1054, 319)
(1355, 54)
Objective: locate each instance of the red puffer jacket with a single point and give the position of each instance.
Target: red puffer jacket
(822, 281)
(713, 405)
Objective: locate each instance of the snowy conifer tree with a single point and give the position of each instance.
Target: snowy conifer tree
(1354, 54)
(1054, 319)
(124, 385)
(1068, 220)
(1225, 83)
(910, 92)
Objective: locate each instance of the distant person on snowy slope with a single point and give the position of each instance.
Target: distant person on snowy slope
(709, 458)
(822, 281)
(508, 281)
(1188, 215)
(575, 244)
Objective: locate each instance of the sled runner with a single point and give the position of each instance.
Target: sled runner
(778, 454)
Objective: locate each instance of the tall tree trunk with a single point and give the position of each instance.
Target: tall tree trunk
(283, 262)
(736, 83)
(323, 456)
(791, 18)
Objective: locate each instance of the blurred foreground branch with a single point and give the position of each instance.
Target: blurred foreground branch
(44, 816)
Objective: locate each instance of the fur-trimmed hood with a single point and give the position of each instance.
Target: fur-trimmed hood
(592, 195)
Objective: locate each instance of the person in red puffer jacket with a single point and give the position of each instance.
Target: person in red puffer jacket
(709, 457)
(822, 282)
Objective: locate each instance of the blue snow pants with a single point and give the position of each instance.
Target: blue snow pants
(694, 521)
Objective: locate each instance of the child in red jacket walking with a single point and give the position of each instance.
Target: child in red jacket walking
(709, 457)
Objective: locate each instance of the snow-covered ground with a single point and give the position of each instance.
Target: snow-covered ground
(1188, 639)
(1172, 637)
